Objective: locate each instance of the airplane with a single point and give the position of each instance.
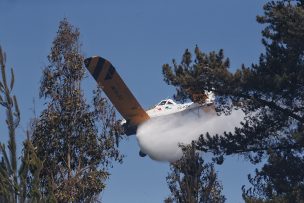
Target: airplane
(126, 104)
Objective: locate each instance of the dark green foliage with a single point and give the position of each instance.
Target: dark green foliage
(279, 180)
(271, 94)
(29, 173)
(8, 168)
(67, 136)
(193, 181)
(16, 185)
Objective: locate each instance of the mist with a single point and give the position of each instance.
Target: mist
(160, 137)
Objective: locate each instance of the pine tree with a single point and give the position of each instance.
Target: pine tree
(77, 152)
(279, 180)
(193, 181)
(270, 93)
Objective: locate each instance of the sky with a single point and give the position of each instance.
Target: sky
(138, 37)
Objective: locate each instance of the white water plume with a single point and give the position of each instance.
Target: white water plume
(160, 136)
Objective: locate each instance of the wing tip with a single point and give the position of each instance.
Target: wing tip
(87, 61)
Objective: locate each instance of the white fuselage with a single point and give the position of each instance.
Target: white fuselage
(166, 107)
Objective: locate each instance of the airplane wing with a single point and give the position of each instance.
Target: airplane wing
(116, 90)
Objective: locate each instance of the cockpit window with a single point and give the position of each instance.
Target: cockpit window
(170, 103)
(162, 103)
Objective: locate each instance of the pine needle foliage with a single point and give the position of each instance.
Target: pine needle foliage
(270, 93)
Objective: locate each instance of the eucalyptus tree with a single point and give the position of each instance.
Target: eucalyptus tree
(192, 180)
(77, 140)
